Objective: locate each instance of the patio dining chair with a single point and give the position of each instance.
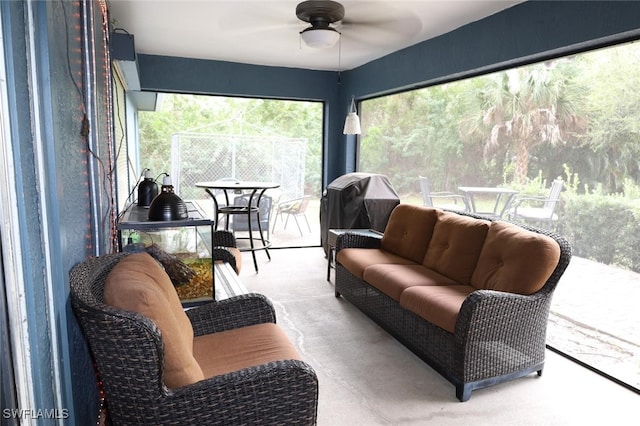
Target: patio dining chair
(538, 210)
(442, 199)
(296, 208)
(241, 223)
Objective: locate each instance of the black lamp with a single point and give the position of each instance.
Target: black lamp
(167, 205)
(147, 189)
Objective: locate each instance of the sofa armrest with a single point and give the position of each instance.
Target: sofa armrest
(353, 240)
(493, 322)
(486, 307)
(281, 392)
(235, 312)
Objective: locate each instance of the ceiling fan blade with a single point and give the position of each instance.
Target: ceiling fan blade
(258, 20)
(367, 20)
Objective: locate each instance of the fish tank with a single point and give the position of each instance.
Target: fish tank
(183, 247)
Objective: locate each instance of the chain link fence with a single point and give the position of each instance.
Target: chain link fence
(197, 157)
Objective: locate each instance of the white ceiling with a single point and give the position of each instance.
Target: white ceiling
(266, 32)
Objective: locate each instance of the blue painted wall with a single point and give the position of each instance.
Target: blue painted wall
(223, 78)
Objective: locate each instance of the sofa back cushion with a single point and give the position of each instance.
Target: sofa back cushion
(138, 283)
(515, 260)
(409, 231)
(455, 246)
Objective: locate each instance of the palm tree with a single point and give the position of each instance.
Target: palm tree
(529, 106)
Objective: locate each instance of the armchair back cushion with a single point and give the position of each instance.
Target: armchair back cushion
(138, 283)
(408, 231)
(506, 264)
(456, 245)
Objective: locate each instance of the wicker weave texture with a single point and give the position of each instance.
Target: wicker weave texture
(221, 241)
(128, 350)
(498, 336)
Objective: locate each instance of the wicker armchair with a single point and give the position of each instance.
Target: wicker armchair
(128, 351)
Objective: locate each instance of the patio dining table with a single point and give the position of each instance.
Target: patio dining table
(503, 199)
(252, 210)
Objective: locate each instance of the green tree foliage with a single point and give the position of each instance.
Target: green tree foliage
(523, 128)
(507, 127)
(231, 116)
(416, 132)
(614, 112)
(603, 228)
(525, 107)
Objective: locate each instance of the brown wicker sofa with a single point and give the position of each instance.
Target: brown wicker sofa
(469, 295)
(221, 363)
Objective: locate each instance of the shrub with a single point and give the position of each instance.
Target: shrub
(604, 228)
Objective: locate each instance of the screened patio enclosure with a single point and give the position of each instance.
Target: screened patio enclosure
(197, 157)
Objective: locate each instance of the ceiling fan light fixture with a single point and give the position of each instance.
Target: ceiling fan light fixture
(320, 38)
(320, 14)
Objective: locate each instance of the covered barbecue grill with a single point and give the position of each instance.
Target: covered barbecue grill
(356, 201)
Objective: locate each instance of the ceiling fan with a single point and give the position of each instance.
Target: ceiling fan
(320, 14)
(364, 23)
(358, 30)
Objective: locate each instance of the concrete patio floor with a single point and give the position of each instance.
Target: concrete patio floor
(367, 378)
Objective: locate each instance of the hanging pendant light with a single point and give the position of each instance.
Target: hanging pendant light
(352, 122)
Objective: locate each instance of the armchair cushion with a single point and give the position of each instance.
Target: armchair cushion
(238, 255)
(233, 350)
(505, 263)
(138, 283)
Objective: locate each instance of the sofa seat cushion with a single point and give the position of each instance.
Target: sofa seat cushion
(238, 255)
(233, 350)
(356, 260)
(456, 245)
(138, 283)
(408, 231)
(439, 305)
(515, 260)
(393, 279)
